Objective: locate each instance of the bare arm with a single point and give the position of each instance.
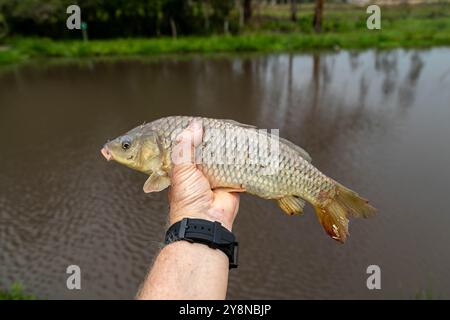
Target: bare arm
(186, 270)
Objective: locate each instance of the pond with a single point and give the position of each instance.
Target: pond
(376, 121)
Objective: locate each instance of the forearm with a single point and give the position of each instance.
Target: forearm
(186, 270)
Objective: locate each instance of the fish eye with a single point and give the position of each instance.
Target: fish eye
(126, 145)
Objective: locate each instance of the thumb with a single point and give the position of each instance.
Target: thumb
(183, 152)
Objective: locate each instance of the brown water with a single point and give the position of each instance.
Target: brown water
(379, 122)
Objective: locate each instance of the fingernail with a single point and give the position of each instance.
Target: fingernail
(196, 125)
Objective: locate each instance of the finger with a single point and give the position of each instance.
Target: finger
(183, 159)
(184, 149)
(196, 127)
(192, 133)
(226, 201)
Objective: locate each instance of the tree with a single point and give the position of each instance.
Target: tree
(294, 10)
(221, 12)
(4, 29)
(247, 10)
(317, 22)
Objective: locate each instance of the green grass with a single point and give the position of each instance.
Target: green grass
(344, 27)
(16, 292)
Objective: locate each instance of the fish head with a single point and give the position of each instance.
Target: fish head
(137, 149)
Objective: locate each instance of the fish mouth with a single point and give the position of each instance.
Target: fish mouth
(106, 153)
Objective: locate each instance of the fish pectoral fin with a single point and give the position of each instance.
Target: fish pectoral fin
(292, 205)
(156, 183)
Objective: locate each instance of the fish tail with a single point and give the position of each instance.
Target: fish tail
(333, 212)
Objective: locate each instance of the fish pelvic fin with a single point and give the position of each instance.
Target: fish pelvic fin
(291, 205)
(334, 213)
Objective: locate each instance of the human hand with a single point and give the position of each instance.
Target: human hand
(190, 195)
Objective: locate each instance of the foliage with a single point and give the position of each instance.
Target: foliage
(117, 18)
(344, 27)
(16, 292)
(149, 18)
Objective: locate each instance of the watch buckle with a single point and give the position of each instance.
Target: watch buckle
(183, 226)
(234, 263)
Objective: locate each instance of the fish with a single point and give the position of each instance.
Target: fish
(241, 158)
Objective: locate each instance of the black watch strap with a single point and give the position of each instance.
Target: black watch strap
(213, 234)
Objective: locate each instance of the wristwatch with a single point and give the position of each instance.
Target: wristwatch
(212, 234)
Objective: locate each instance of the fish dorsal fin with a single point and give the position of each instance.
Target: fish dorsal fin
(305, 155)
(242, 125)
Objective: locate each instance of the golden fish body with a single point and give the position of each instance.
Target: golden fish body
(242, 158)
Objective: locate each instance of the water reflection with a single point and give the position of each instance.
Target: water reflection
(359, 114)
(330, 101)
(408, 87)
(386, 63)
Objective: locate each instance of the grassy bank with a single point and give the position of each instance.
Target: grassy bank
(344, 27)
(16, 292)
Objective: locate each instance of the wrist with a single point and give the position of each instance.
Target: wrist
(206, 232)
(226, 222)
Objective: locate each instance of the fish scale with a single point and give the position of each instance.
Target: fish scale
(295, 177)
